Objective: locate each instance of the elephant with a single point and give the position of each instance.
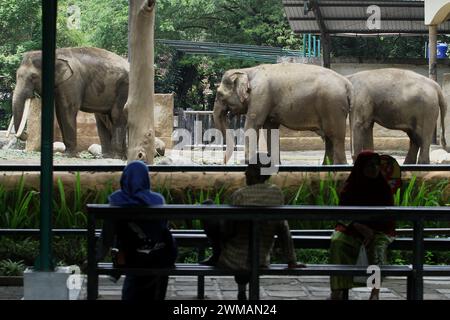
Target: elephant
(400, 100)
(87, 79)
(298, 96)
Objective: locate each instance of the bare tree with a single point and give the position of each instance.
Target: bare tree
(140, 103)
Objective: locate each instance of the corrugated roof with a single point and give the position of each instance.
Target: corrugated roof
(350, 17)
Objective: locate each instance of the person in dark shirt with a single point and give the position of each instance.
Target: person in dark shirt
(366, 186)
(146, 243)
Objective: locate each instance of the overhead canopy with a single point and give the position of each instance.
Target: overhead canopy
(349, 17)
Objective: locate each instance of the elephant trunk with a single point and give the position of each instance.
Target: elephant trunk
(220, 117)
(220, 122)
(19, 99)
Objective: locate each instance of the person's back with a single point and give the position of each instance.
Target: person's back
(235, 251)
(146, 243)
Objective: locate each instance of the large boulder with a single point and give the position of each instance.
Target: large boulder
(59, 147)
(95, 150)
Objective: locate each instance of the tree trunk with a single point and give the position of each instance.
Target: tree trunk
(140, 103)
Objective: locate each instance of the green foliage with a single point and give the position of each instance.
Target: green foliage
(11, 268)
(66, 250)
(19, 249)
(70, 216)
(164, 189)
(425, 195)
(15, 207)
(101, 195)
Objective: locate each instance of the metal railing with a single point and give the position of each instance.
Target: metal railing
(256, 214)
(211, 168)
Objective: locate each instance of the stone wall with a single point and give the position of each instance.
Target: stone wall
(87, 129)
(180, 183)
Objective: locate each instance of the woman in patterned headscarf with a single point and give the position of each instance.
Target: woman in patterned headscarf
(365, 186)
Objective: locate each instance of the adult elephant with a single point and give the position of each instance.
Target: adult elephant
(397, 99)
(298, 96)
(87, 79)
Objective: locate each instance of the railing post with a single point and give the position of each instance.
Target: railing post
(201, 279)
(92, 276)
(254, 260)
(418, 256)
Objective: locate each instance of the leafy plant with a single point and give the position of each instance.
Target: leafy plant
(427, 194)
(70, 217)
(15, 206)
(11, 268)
(164, 189)
(102, 195)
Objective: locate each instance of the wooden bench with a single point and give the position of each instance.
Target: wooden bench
(414, 273)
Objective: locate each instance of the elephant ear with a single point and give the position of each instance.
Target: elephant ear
(63, 70)
(241, 85)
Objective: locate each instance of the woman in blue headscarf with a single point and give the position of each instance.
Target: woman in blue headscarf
(146, 243)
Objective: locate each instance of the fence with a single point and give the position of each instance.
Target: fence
(197, 123)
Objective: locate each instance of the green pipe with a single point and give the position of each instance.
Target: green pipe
(49, 12)
(319, 52)
(314, 47)
(309, 45)
(304, 45)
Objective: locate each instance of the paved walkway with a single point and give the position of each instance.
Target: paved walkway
(272, 288)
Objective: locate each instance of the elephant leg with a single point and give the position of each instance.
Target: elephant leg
(368, 141)
(254, 121)
(411, 157)
(118, 132)
(119, 123)
(118, 141)
(362, 138)
(67, 121)
(104, 133)
(328, 159)
(424, 154)
(333, 132)
(273, 149)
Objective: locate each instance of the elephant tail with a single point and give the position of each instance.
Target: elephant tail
(443, 107)
(350, 98)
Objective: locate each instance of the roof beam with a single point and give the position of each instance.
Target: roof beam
(365, 31)
(399, 4)
(324, 34)
(363, 19)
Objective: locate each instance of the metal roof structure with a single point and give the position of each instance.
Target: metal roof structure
(240, 51)
(350, 17)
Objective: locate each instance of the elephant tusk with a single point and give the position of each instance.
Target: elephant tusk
(24, 118)
(11, 123)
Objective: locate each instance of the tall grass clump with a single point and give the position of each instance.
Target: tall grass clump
(16, 209)
(423, 195)
(70, 216)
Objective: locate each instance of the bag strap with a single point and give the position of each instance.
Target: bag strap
(141, 234)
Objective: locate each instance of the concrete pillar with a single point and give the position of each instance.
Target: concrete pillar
(433, 52)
